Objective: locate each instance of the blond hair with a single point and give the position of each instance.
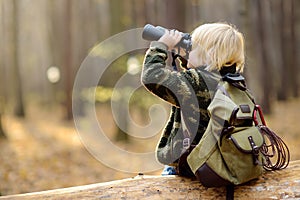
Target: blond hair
(219, 45)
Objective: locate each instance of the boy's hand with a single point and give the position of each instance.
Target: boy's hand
(171, 38)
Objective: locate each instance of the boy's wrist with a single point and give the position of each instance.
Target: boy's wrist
(158, 45)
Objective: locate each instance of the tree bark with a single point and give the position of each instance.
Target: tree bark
(294, 64)
(68, 60)
(175, 14)
(288, 72)
(2, 133)
(263, 49)
(272, 185)
(19, 107)
(2, 71)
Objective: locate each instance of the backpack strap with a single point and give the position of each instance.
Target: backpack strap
(229, 77)
(229, 192)
(237, 80)
(223, 90)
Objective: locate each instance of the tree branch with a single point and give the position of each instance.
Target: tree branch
(272, 185)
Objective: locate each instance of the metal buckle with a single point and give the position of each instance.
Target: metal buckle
(255, 151)
(186, 143)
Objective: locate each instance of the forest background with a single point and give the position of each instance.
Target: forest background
(44, 43)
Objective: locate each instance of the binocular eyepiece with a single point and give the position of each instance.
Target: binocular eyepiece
(153, 33)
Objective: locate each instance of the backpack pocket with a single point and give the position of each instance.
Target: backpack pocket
(241, 153)
(247, 139)
(235, 159)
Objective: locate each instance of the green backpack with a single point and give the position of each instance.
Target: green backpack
(236, 146)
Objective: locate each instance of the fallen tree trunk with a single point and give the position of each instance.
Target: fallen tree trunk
(272, 185)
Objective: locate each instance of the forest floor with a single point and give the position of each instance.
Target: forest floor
(44, 152)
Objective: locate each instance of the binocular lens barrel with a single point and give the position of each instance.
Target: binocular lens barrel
(153, 33)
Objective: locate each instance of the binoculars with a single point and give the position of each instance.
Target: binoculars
(153, 33)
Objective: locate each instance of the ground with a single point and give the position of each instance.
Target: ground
(45, 152)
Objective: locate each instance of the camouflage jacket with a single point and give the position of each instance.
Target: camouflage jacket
(189, 92)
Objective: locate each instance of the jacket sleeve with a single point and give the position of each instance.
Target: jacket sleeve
(169, 85)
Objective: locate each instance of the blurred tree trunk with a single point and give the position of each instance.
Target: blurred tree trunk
(284, 81)
(294, 64)
(296, 31)
(150, 13)
(103, 19)
(193, 14)
(82, 41)
(289, 72)
(139, 16)
(2, 133)
(52, 47)
(58, 49)
(19, 107)
(117, 18)
(117, 25)
(263, 52)
(68, 58)
(175, 14)
(2, 63)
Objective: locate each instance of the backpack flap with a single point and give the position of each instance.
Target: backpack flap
(242, 114)
(246, 139)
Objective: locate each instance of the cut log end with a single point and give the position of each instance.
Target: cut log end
(282, 184)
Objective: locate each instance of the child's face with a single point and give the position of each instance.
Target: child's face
(194, 59)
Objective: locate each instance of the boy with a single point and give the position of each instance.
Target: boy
(217, 49)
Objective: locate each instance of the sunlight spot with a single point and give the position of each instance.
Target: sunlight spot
(53, 74)
(133, 66)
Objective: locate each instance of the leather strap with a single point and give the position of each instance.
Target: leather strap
(229, 192)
